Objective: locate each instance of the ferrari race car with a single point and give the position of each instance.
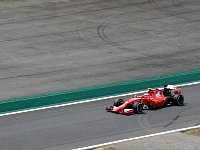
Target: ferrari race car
(128, 107)
(154, 98)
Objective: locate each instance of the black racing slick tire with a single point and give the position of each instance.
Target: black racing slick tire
(178, 100)
(118, 102)
(138, 107)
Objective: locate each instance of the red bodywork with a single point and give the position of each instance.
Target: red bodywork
(153, 98)
(124, 108)
(156, 98)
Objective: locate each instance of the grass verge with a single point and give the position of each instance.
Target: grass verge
(105, 148)
(2, 1)
(195, 132)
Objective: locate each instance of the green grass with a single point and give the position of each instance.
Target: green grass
(5, 1)
(195, 132)
(105, 148)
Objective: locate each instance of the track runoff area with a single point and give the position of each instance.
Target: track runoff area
(103, 98)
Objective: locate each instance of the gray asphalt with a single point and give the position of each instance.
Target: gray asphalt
(87, 124)
(50, 45)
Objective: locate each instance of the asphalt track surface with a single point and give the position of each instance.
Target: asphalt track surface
(89, 124)
(50, 45)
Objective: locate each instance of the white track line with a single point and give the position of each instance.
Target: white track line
(137, 138)
(84, 101)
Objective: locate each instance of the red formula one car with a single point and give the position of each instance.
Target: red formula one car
(128, 107)
(169, 95)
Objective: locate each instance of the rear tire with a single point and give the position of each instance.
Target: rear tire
(118, 102)
(138, 107)
(178, 100)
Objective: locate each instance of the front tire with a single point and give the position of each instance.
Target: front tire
(118, 102)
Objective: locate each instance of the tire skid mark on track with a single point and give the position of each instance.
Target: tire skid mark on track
(71, 5)
(82, 36)
(158, 57)
(57, 33)
(81, 12)
(98, 46)
(38, 36)
(104, 37)
(104, 30)
(178, 115)
(144, 123)
(130, 128)
(171, 122)
(101, 27)
(100, 31)
(170, 12)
